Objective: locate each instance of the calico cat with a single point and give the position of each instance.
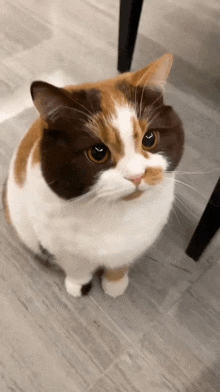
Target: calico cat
(92, 181)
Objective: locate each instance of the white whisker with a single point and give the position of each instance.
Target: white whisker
(142, 94)
(57, 110)
(111, 98)
(195, 172)
(80, 105)
(181, 211)
(187, 185)
(176, 214)
(188, 209)
(80, 111)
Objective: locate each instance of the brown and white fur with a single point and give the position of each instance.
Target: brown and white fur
(90, 214)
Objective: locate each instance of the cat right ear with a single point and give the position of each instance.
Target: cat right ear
(154, 75)
(48, 99)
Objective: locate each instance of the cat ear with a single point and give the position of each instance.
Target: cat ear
(48, 98)
(155, 74)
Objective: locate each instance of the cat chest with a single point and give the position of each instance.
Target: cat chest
(96, 235)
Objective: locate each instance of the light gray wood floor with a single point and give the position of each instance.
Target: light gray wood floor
(164, 333)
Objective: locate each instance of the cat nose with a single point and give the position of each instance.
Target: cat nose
(137, 179)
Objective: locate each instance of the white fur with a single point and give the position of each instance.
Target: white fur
(99, 228)
(73, 286)
(115, 288)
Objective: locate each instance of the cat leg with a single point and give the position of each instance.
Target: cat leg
(79, 274)
(115, 282)
(78, 287)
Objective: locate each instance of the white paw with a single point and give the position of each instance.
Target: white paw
(77, 288)
(115, 288)
(73, 288)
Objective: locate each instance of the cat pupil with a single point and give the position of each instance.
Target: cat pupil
(99, 152)
(149, 139)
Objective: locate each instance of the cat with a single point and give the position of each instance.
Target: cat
(92, 181)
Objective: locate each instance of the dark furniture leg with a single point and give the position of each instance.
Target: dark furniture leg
(207, 227)
(130, 11)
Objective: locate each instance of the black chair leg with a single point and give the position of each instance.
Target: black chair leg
(207, 227)
(130, 11)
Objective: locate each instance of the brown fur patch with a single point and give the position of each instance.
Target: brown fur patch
(24, 150)
(117, 274)
(153, 176)
(109, 135)
(100, 124)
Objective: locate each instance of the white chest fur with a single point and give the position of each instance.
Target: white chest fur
(110, 234)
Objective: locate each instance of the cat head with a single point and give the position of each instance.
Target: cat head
(115, 138)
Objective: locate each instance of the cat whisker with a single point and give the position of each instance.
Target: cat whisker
(142, 94)
(180, 209)
(195, 172)
(60, 108)
(80, 111)
(152, 115)
(81, 105)
(176, 214)
(111, 98)
(135, 95)
(187, 185)
(188, 209)
(105, 121)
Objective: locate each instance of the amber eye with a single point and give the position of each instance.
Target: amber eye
(150, 140)
(99, 153)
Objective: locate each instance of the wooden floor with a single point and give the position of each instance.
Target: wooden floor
(164, 333)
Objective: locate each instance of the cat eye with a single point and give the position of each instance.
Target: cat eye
(150, 140)
(98, 154)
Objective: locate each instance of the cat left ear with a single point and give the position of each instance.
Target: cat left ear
(155, 74)
(48, 98)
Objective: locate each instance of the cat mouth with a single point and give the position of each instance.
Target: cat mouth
(134, 195)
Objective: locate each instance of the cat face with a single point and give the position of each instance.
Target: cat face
(114, 139)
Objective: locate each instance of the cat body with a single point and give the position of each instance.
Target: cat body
(92, 181)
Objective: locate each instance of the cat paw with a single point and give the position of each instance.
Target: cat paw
(77, 289)
(115, 288)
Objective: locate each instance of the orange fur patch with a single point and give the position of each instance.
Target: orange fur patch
(36, 153)
(139, 129)
(24, 150)
(114, 275)
(108, 135)
(153, 176)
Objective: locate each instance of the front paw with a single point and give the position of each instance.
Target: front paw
(77, 289)
(115, 288)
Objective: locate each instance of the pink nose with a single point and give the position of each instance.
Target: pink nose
(136, 180)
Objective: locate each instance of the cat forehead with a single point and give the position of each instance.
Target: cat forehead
(119, 129)
(119, 103)
(106, 94)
